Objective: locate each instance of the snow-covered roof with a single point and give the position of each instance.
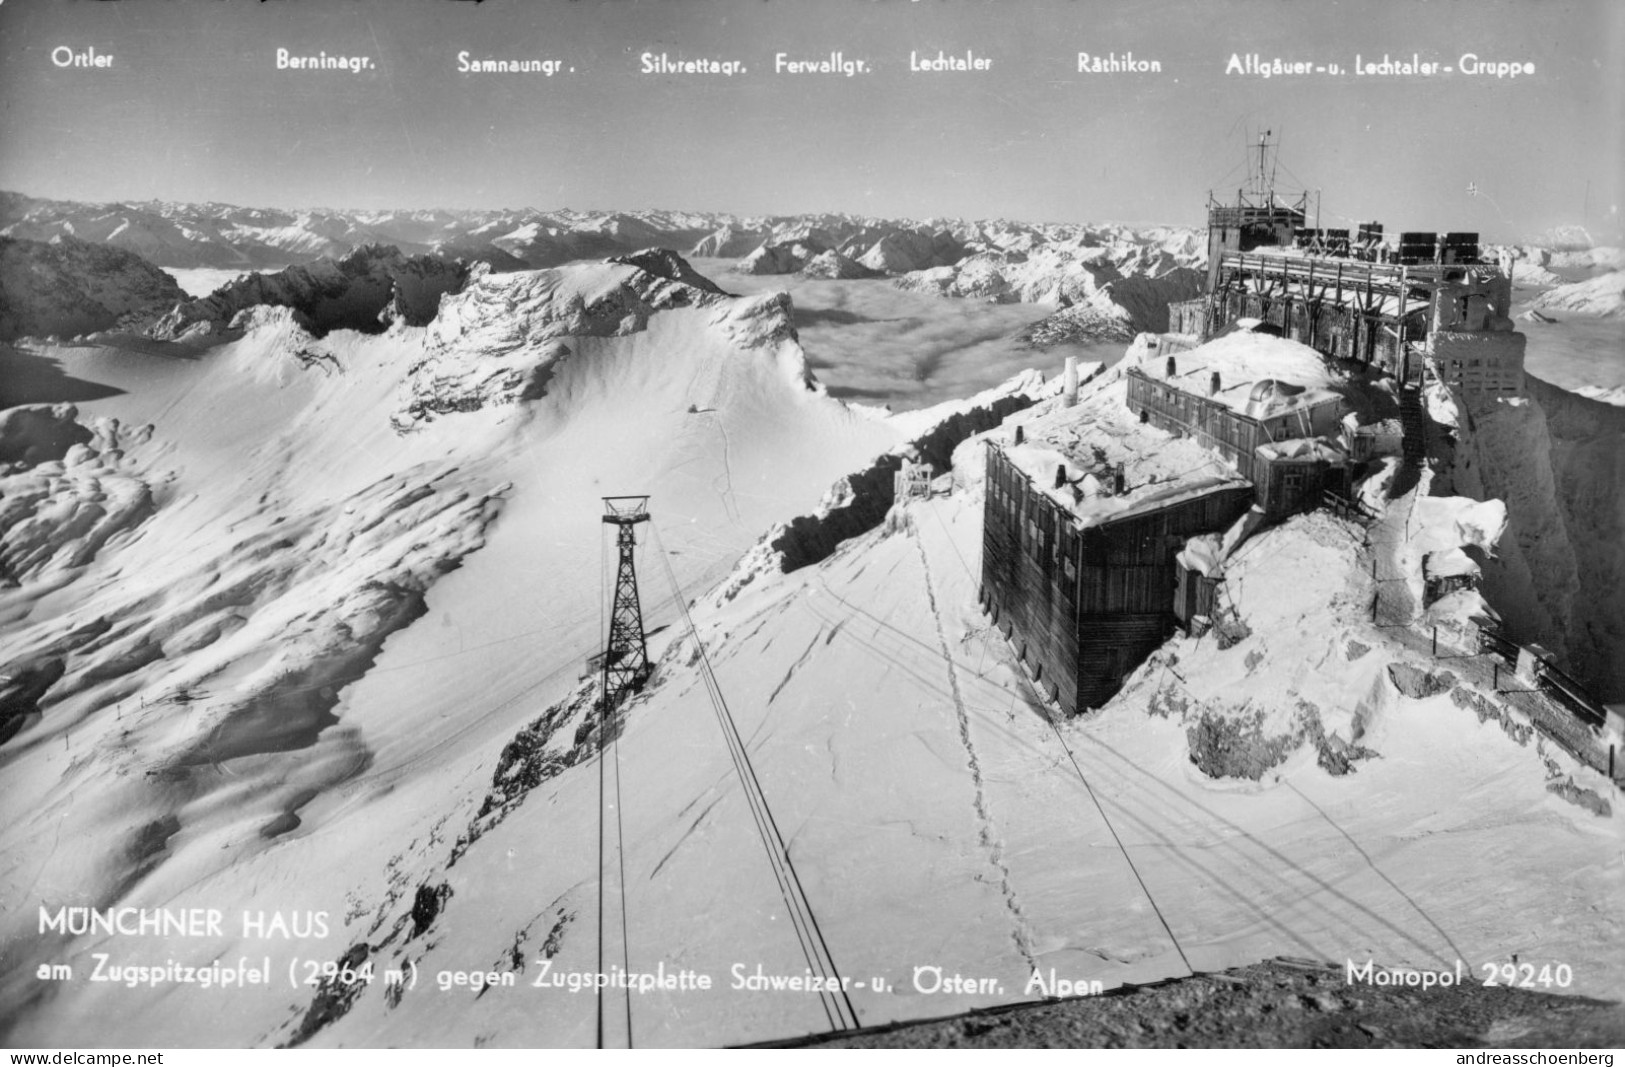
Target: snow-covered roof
(1380, 428)
(1307, 449)
(1450, 563)
(1259, 375)
(1092, 439)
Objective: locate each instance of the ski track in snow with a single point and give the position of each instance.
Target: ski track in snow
(729, 500)
(987, 835)
(797, 665)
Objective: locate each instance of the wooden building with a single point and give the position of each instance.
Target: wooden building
(1235, 427)
(1385, 437)
(1293, 476)
(1085, 602)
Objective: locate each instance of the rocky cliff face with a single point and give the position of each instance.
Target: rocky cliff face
(366, 290)
(65, 287)
(1558, 460)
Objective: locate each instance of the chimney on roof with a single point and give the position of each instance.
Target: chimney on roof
(1170, 366)
(1021, 438)
(1215, 384)
(1118, 481)
(1070, 380)
(1060, 475)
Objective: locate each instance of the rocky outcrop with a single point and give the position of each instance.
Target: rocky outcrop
(1231, 746)
(780, 258)
(664, 263)
(1558, 575)
(366, 290)
(859, 502)
(65, 287)
(832, 264)
(1116, 310)
(1419, 684)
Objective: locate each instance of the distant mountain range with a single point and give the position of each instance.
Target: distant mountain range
(1084, 270)
(1106, 281)
(226, 236)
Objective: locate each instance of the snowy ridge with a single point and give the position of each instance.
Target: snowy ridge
(1603, 296)
(1614, 395)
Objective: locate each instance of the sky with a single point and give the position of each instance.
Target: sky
(194, 108)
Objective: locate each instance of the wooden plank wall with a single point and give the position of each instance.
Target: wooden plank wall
(1108, 589)
(1195, 595)
(1110, 647)
(1216, 426)
(1022, 576)
(1288, 486)
(1231, 434)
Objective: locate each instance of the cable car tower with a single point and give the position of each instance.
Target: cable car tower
(626, 668)
(626, 653)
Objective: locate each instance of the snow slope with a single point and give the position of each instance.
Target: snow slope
(937, 820)
(335, 668)
(275, 671)
(1615, 395)
(1603, 295)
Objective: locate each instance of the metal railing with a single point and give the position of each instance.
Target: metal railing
(1551, 678)
(1346, 507)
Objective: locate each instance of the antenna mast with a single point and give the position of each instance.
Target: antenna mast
(1261, 175)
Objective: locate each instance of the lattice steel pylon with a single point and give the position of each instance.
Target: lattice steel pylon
(626, 653)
